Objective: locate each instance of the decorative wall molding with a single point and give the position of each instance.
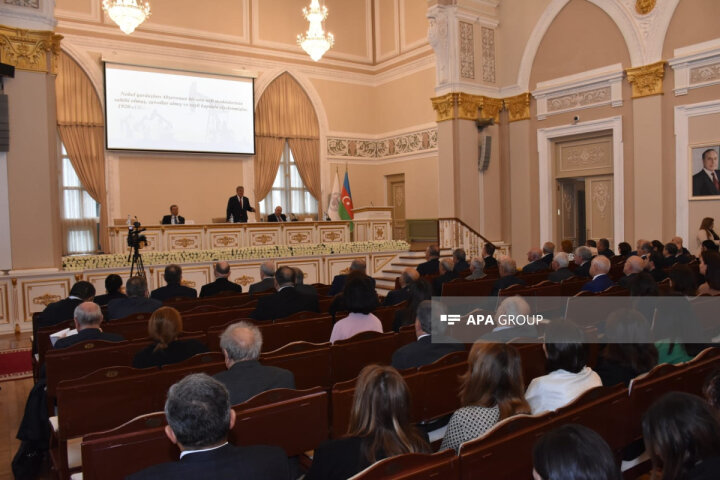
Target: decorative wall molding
(488, 54)
(646, 80)
(518, 107)
(467, 50)
(24, 3)
(466, 106)
(594, 88)
(404, 47)
(683, 113)
(28, 14)
(696, 66)
(420, 141)
(380, 56)
(546, 138)
(31, 50)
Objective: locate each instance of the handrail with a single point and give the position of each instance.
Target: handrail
(466, 226)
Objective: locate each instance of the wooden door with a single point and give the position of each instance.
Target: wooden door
(599, 207)
(396, 199)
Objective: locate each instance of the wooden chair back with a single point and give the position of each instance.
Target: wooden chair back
(309, 363)
(414, 466)
(349, 356)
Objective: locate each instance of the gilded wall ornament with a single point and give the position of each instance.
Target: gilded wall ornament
(31, 50)
(444, 106)
(643, 7)
(518, 107)
(646, 80)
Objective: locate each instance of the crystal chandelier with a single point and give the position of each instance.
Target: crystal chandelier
(315, 41)
(128, 14)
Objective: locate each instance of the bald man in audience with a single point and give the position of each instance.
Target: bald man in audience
(599, 268)
(507, 268)
(267, 278)
(221, 283)
(245, 377)
(394, 297)
(561, 269)
(536, 264)
(548, 250)
(633, 266)
(477, 267)
(447, 273)
(88, 318)
(338, 283)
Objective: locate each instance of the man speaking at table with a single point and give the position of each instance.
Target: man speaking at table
(238, 206)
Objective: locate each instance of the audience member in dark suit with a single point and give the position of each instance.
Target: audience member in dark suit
(136, 301)
(62, 310)
(174, 287)
(561, 271)
(245, 377)
(477, 267)
(88, 318)
(629, 351)
(221, 283)
(504, 333)
(278, 216)
(583, 255)
(654, 265)
(338, 283)
(488, 251)
(683, 254)
(599, 268)
(423, 351)
(534, 256)
(300, 286)
(683, 280)
(267, 278)
(507, 268)
(460, 259)
(446, 274)
(113, 285)
(624, 250)
(173, 218)
(706, 181)
(419, 290)
(379, 427)
(164, 327)
(603, 248)
(633, 266)
(286, 301)
(199, 417)
(394, 297)
(548, 250)
(238, 206)
(432, 261)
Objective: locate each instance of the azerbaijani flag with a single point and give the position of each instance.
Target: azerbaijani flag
(346, 206)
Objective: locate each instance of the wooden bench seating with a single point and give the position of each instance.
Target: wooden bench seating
(348, 357)
(472, 288)
(414, 466)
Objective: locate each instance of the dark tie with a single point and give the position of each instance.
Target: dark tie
(715, 181)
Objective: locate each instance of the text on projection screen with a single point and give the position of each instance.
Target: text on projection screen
(153, 109)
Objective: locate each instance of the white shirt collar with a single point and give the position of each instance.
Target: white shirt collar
(73, 297)
(187, 452)
(423, 335)
(709, 172)
(599, 275)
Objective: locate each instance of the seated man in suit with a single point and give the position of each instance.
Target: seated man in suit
(670, 252)
(423, 351)
(394, 297)
(431, 265)
(221, 283)
(286, 301)
(654, 265)
(174, 218)
(507, 268)
(515, 306)
(136, 301)
(267, 278)
(113, 287)
(278, 216)
(583, 255)
(245, 377)
(706, 182)
(599, 268)
(536, 264)
(300, 283)
(338, 283)
(633, 266)
(548, 250)
(603, 248)
(488, 251)
(560, 266)
(199, 417)
(174, 287)
(62, 310)
(460, 259)
(446, 274)
(683, 255)
(477, 267)
(88, 318)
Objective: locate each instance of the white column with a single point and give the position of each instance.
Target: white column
(5, 250)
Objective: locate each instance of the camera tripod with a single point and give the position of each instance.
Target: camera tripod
(137, 267)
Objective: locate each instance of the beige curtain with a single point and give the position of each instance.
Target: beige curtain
(285, 112)
(81, 127)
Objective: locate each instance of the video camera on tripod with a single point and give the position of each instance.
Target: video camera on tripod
(136, 241)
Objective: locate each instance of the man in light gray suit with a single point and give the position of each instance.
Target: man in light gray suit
(477, 265)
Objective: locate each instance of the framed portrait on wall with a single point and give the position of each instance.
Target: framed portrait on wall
(704, 172)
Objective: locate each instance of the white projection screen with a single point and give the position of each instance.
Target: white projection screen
(156, 109)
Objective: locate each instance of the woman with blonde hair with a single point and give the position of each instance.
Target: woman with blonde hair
(379, 427)
(164, 327)
(492, 390)
(706, 232)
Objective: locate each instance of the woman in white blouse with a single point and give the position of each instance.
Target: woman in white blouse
(706, 232)
(569, 377)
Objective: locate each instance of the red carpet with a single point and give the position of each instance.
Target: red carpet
(15, 364)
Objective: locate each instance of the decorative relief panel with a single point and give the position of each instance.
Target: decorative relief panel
(32, 50)
(5, 303)
(224, 239)
(262, 238)
(696, 66)
(330, 235)
(467, 50)
(579, 99)
(420, 141)
(310, 268)
(646, 80)
(38, 294)
(296, 236)
(379, 262)
(24, 3)
(379, 231)
(706, 73)
(587, 157)
(184, 241)
(488, 54)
